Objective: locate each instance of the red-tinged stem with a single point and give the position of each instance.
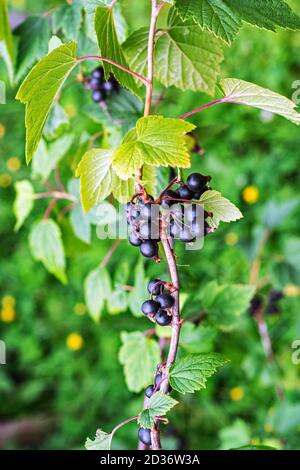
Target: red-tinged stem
(129, 420)
(226, 99)
(176, 323)
(58, 181)
(201, 108)
(109, 254)
(125, 69)
(51, 206)
(149, 85)
(55, 195)
(112, 4)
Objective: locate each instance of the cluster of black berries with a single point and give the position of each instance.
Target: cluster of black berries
(144, 434)
(270, 306)
(187, 221)
(143, 217)
(100, 87)
(185, 218)
(160, 308)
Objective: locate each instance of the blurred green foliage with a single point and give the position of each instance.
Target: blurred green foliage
(80, 386)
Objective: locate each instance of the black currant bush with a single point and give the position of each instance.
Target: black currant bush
(162, 218)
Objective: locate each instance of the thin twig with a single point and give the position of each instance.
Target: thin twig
(48, 211)
(58, 181)
(119, 66)
(109, 254)
(56, 195)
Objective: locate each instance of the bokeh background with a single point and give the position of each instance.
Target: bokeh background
(63, 379)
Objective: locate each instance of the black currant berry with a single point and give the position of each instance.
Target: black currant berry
(149, 248)
(98, 96)
(94, 84)
(144, 436)
(149, 391)
(150, 307)
(98, 73)
(111, 85)
(185, 192)
(162, 318)
(158, 379)
(134, 240)
(165, 301)
(155, 287)
(146, 210)
(170, 194)
(145, 231)
(196, 182)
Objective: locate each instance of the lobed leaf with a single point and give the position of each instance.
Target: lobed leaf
(110, 47)
(158, 405)
(191, 372)
(40, 88)
(97, 289)
(24, 202)
(102, 441)
(139, 355)
(241, 92)
(215, 15)
(155, 140)
(222, 209)
(46, 246)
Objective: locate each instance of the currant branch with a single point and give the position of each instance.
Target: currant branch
(140, 77)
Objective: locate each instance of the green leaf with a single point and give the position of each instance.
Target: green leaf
(54, 43)
(266, 14)
(158, 405)
(123, 190)
(139, 355)
(222, 209)
(47, 156)
(97, 288)
(136, 50)
(150, 180)
(57, 122)
(80, 222)
(41, 87)
(102, 441)
(215, 15)
(24, 202)
(191, 372)
(110, 48)
(155, 140)
(67, 19)
(137, 296)
(185, 55)
(117, 302)
(188, 57)
(6, 40)
(95, 175)
(91, 6)
(46, 246)
(33, 35)
(226, 303)
(241, 92)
